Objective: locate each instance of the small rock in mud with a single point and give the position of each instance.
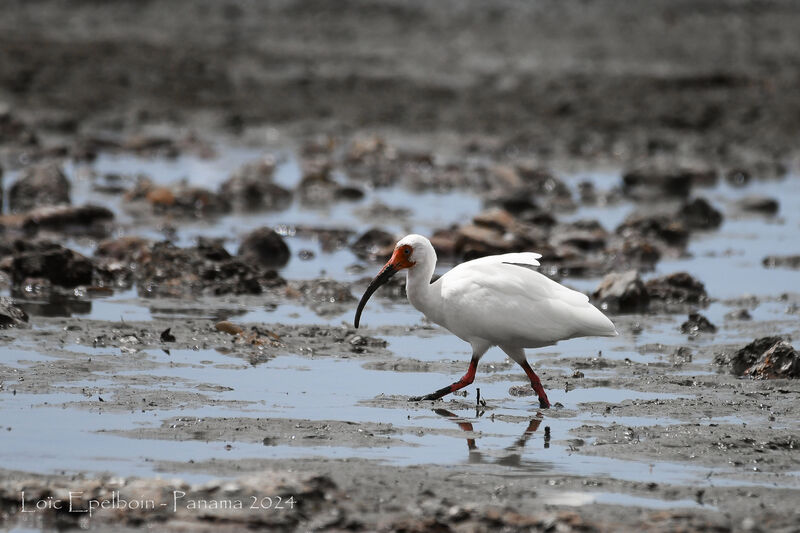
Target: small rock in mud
(679, 287)
(373, 244)
(681, 355)
(87, 219)
(739, 314)
(521, 390)
(648, 225)
(759, 204)
(699, 214)
(41, 184)
(781, 261)
(251, 188)
(477, 241)
(697, 323)
(182, 200)
(178, 272)
(622, 292)
(265, 247)
(652, 184)
(229, 327)
(52, 262)
(764, 358)
(11, 315)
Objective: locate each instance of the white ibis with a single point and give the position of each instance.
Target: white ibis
(498, 300)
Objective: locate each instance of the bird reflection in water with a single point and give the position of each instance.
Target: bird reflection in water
(514, 455)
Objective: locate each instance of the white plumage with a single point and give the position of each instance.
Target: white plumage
(499, 300)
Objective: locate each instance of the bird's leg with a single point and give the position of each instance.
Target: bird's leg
(465, 380)
(536, 383)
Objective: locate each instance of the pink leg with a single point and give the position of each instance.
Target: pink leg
(536, 383)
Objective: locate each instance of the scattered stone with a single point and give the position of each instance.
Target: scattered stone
(651, 184)
(679, 287)
(229, 328)
(251, 187)
(52, 262)
(324, 296)
(622, 292)
(699, 214)
(11, 315)
(41, 184)
(759, 204)
(166, 336)
(697, 323)
(764, 358)
(521, 390)
(648, 225)
(90, 219)
(477, 241)
(781, 261)
(681, 355)
(169, 271)
(374, 244)
(265, 247)
(739, 314)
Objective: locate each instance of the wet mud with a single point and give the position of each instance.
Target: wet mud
(181, 255)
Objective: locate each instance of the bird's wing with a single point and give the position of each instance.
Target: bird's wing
(505, 302)
(520, 258)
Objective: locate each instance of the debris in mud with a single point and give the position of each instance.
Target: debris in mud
(652, 184)
(373, 244)
(229, 328)
(739, 314)
(697, 323)
(167, 336)
(251, 187)
(662, 227)
(182, 200)
(87, 219)
(622, 292)
(759, 204)
(49, 261)
(764, 358)
(169, 271)
(700, 214)
(11, 315)
(677, 288)
(40, 184)
(781, 261)
(265, 247)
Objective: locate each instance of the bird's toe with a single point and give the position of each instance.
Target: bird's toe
(544, 404)
(415, 399)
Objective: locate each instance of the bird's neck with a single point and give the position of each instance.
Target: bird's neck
(421, 293)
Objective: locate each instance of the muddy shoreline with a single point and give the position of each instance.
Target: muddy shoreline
(192, 204)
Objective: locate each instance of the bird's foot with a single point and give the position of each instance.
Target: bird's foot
(544, 403)
(421, 398)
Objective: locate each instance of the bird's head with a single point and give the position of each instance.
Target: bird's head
(409, 251)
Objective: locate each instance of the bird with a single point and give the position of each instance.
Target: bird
(497, 300)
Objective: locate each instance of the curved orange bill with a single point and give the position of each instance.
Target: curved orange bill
(383, 276)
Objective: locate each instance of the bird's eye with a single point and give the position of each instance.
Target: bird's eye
(407, 251)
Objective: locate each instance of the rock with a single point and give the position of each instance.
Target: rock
(229, 327)
(373, 244)
(654, 184)
(739, 314)
(622, 292)
(11, 315)
(128, 249)
(478, 241)
(764, 358)
(52, 262)
(498, 219)
(587, 236)
(697, 323)
(67, 219)
(781, 261)
(42, 184)
(170, 271)
(265, 247)
(251, 187)
(679, 287)
(638, 253)
(661, 226)
(699, 214)
(758, 204)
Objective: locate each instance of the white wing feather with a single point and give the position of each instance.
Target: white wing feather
(501, 300)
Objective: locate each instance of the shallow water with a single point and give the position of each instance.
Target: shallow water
(728, 261)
